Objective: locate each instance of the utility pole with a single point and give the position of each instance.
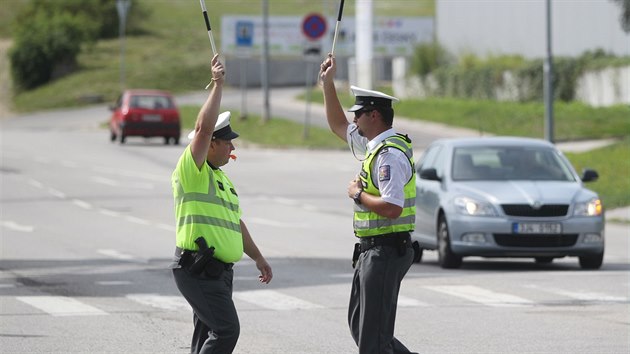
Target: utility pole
(548, 81)
(123, 8)
(364, 46)
(265, 61)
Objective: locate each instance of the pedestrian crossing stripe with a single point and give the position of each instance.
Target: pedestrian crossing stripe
(481, 295)
(61, 306)
(160, 301)
(275, 300)
(278, 301)
(404, 301)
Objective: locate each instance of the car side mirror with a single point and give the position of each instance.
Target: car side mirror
(589, 175)
(430, 174)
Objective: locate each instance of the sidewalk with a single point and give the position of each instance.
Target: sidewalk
(618, 214)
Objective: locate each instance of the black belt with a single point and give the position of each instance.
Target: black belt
(188, 257)
(395, 239)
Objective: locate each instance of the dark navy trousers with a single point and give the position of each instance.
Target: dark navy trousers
(374, 298)
(216, 324)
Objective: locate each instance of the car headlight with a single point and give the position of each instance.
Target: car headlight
(469, 206)
(591, 208)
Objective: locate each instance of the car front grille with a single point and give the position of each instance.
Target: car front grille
(549, 210)
(535, 240)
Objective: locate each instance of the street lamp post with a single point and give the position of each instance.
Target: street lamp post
(123, 8)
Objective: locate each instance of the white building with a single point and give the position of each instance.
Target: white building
(496, 27)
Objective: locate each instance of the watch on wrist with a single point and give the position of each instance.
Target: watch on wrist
(357, 196)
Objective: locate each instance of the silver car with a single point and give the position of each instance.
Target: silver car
(505, 197)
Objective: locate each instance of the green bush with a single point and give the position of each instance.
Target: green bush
(47, 46)
(428, 57)
(49, 34)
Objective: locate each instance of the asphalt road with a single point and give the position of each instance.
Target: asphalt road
(86, 232)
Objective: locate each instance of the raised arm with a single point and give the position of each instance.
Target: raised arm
(335, 115)
(207, 117)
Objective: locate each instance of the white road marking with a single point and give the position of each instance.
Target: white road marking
(274, 300)
(481, 295)
(166, 227)
(137, 220)
(112, 282)
(17, 227)
(57, 193)
(583, 295)
(109, 212)
(404, 301)
(160, 301)
(82, 204)
(126, 173)
(262, 221)
(61, 306)
(36, 184)
(117, 255)
(105, 181)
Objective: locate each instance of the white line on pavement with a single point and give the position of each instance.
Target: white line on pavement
(17, 227)
(61, 306)
(274, 300)
(160, 301)
(105, 181)
(82, 204)
(481, 295)
(404, 301)
(582, 295)
(121, 256)
(267, 222)
(112, 282)
(57, 193)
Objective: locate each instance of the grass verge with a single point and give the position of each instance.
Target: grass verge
(277, 133)
(572, 121)
(613, 165)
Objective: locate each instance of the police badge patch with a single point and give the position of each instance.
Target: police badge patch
(383, 173)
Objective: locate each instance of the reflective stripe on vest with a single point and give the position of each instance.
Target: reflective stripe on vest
(368, 223)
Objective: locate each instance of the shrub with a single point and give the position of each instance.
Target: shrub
(428, 57)
(472, 77)
(46, 47)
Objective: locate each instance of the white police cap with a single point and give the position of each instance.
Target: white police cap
(222, 129)
(370, 98)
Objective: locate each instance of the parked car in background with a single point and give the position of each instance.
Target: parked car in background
(505, 197)
(146, 113)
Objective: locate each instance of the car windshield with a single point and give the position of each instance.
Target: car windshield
(150, 102)
(509, 163)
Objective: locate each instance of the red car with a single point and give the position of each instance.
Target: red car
(145, 113)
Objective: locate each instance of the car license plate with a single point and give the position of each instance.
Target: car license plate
(536, 228)
(151, 117)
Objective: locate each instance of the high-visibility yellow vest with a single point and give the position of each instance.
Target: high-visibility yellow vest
(206, 204)
(368, 223)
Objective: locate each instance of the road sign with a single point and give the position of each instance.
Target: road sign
(244, 33)
(314, 26)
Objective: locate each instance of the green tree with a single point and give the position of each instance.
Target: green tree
(47, 46)
(624, 18)
(102, 13)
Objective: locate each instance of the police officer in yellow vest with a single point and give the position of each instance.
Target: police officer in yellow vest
(211, 236)
(384, 212)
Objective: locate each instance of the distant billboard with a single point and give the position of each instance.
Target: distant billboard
(393, 36)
